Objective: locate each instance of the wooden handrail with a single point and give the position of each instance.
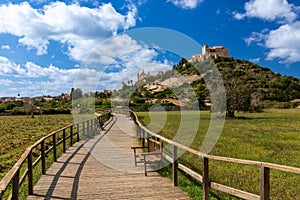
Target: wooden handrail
(13, 176)
(204, 178)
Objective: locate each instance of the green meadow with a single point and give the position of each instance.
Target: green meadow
(19, 132)
(271, 136)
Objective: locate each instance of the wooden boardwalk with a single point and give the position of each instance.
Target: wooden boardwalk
(103, 168)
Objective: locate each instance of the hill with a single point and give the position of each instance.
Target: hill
(249, 87)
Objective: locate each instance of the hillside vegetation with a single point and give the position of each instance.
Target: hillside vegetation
(249, 87)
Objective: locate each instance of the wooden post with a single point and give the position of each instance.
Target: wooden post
(175, 166)
(92, 123)
(30, 173)
(54, 147)
(143, 138)
(205, 179)
(15, 186)
(77, 129)
(100, 121)
(95, 123)
(264, 183)
(138, 131)
(77, 134)
(83, 129)
(64, 140)
(88, 126)
(71, 136)
(43, 157)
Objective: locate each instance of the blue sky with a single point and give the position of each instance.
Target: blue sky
(48, 47)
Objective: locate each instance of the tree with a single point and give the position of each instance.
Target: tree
(238, 92)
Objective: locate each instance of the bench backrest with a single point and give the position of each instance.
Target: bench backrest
(154, 145)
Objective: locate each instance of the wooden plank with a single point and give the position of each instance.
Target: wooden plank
(234, 160)
(23, 177)
(38, 159)
(190, 172)
(282, 167)
(234, 192)
(94, 180)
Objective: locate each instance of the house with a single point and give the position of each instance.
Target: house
(215, 52)
(8, 99)
(66, 96)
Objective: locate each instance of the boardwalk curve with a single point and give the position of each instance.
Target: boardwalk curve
(95, 170)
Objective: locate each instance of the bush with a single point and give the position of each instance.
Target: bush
(51, 111)
(17, 111)
(279, 105)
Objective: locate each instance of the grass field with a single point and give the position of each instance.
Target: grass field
(272, 136)
(19, 132)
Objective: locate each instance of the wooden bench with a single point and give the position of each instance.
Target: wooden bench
(153, 155)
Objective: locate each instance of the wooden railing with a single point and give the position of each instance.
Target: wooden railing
(264, 183)
(16, 177)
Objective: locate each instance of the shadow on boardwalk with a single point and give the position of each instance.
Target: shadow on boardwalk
(103, 168)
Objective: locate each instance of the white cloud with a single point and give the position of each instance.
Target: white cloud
(269, 10)
(111, 49)
(81, 28)
(254, 60)
(31, 79)
(284, 43)
(186, 4)
(7, 47)
(125, 68)
(8, 68)
(5, 82)
(256, 37)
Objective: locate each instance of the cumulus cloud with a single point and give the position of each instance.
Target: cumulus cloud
(80, 28)
(283, 43)
(269, 10)
(34, 80)
(256, 37)
(111, 49)
(186, 4)
(126, 68)
(8, 68)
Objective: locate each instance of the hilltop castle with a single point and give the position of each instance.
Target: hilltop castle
(143, 77)
(215, 52)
